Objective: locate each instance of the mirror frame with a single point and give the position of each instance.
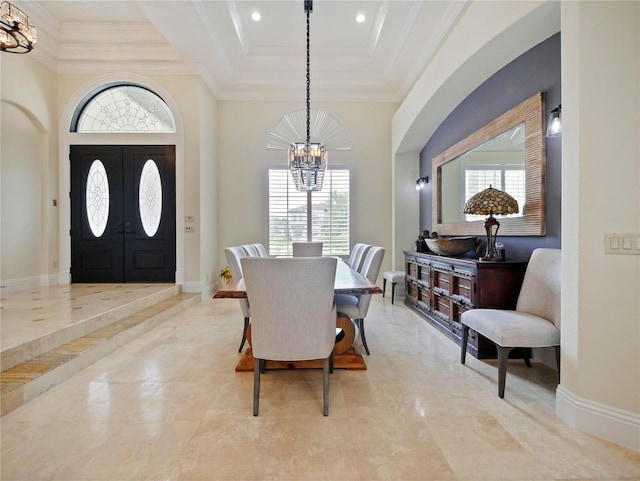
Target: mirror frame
(533, 222)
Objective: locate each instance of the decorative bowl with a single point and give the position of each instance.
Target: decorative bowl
(452, 246)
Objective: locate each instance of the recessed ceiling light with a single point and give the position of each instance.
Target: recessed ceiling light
(256, 16)
(360, 18)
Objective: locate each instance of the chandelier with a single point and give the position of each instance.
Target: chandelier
(16, 36)
(308, 160)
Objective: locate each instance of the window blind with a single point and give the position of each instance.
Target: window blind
(330, 213)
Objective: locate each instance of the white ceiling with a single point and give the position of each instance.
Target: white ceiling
(377, 60)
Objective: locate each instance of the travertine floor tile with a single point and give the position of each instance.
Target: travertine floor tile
(169, 406)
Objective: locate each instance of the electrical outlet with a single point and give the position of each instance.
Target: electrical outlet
(628, 244)
(189, 229)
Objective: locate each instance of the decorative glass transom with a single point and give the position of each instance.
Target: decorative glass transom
(126, 108)
(150, 196)
(97, 198)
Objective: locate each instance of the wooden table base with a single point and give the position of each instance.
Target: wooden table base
(349, 359)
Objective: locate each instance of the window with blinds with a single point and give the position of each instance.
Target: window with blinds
(509, 178)
(288, 213)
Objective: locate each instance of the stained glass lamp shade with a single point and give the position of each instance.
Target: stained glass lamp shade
(489, 202)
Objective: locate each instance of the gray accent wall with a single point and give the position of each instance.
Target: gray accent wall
(536, 70)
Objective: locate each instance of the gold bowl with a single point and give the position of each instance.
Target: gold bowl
(452, 246)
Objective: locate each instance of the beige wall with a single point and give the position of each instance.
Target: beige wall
(28, 169)
(600, 178)
(209, 200)
(244, 161)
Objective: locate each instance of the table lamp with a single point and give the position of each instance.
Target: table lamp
(489, 202)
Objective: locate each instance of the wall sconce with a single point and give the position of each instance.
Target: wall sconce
(421, 183)
(554, 125)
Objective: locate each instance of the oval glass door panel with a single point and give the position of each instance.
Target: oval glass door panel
(97, 198)
(150, 198)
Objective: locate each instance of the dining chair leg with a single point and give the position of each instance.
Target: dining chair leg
(393, 291)
(325, 386)
(503, 358)
(384, 287)
(244, 333)
(557, 349)
(465, 341)
(362, 336)
(256, 384)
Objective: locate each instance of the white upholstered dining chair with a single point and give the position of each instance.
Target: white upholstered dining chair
(233, 256)
(262, 252)
(356, 307)
(535, 322)
(357, 256)
(293, 313)
(307, 249)
(251, 250)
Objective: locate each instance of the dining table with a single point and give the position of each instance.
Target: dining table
(349, 282)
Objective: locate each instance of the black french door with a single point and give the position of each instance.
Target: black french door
(123, 213)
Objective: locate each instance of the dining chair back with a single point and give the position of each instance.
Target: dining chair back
(356, 307)
(293, 313)
(262, 252)
(535, 322)
(251, 250)
(233, 256)
(358, 254)
(307, 249)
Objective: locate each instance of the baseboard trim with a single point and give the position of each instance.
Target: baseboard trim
(25, 283)
(203, 287)
(606, 422)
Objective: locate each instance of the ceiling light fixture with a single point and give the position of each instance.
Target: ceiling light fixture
(16, 36)
(255, 16)
(308, 161)
(360, 18)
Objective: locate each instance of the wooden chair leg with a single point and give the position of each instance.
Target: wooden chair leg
(364, 340)
(325, 386)
(384, 286)
(465, 341)
(256, 385)
(503, 357)
(557, 348)
(331, 363)
(244, 333)
(526, 356)
(393, 291)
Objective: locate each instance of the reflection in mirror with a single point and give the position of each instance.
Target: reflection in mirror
(509, 154)
(499, 163)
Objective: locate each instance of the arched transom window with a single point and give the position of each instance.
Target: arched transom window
(123, 108)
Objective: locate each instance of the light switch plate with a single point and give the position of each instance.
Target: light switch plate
(625, 244)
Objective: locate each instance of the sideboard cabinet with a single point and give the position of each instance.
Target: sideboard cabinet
(441, 288)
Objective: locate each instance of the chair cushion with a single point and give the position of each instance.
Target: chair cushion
(394, 276)
(348, 305)
(512, 328)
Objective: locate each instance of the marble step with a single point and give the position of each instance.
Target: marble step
(27, 380)
(72, 312)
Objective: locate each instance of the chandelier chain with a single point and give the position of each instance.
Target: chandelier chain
(308, 84)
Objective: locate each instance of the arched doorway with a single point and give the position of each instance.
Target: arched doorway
(122, 197)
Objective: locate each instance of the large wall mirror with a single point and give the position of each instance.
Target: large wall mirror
(509, 154)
